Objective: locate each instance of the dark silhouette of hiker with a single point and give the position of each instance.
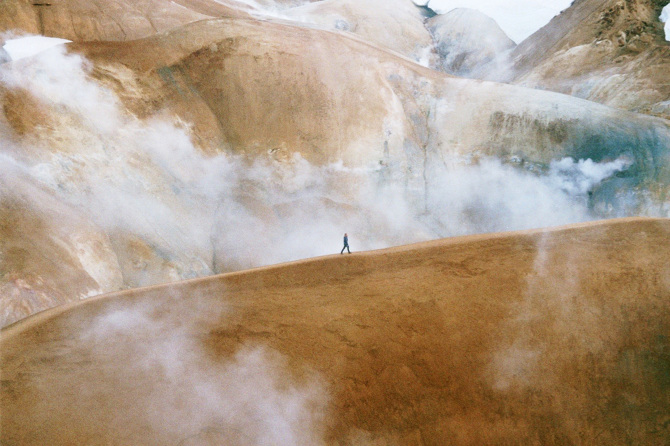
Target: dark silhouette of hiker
(346, 244)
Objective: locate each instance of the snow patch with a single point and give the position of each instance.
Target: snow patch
(665, 18)
(28, 46)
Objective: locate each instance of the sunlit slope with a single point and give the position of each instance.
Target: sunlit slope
(540, 337)
(169, 145)
(85, 20)
(272, 87)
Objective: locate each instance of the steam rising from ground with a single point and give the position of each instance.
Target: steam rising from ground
(197, 396)
(215, 213)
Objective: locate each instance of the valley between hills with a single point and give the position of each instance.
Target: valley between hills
(176, 177)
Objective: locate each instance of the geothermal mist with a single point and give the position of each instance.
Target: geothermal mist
(197, 395)
(204, 214)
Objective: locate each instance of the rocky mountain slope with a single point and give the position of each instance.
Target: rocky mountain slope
(613, 52)
(47, 247)
(539, 337)
(392, 113)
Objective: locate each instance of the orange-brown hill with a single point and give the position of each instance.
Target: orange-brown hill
(98, 20)
(540, 337)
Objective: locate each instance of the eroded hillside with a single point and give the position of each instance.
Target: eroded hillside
(100, 20)
(612, 52)
(177, 140)
(235, 142)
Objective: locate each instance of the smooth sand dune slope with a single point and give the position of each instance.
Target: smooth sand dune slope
(539, 337)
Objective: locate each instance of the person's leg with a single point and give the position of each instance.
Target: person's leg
(343, 249)
(347, 249)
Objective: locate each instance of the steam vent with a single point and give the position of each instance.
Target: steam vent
(178, 179)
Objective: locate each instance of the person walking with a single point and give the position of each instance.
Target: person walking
(346, 244)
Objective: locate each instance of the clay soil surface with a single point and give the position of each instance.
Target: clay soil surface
(540, 337)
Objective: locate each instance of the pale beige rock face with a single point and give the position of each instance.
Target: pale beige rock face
(83, 20)
(268, 90)
(50, 253)
(303, 92)
(393, 24)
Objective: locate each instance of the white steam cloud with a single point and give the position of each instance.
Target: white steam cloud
(271, 8)
(195, 396)
(201, 214)
(577, 178)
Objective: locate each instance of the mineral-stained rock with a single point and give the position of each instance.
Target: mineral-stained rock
(613, 52)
